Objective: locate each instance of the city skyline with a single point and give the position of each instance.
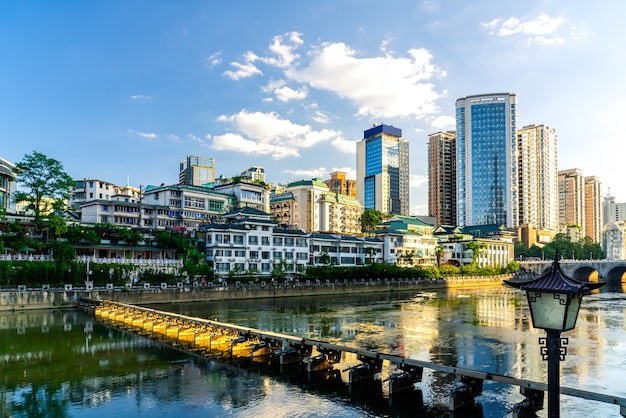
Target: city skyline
(123, 92)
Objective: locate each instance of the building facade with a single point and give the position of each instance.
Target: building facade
(254, 173)
(310, 205)
(8, 185)
(382, 167)
(613, 211)
(571, 199)
(486, 144)
(338, 183)
(614, 240)
(594, 221)
(197, 171)
(442, 177)
(247, 193)
(538, 178)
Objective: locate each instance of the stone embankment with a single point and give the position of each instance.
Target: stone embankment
(68, 297)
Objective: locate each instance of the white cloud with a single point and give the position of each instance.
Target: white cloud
(140, 97)
(243, 71)
(268, 134)
(285, 52)
(344, 145)
(443, 122)
(417, 181)
(321, 117)
(284, 94)
(307, 174)
(541, 30)
(214, 59)
(380, 86)
(150, 135)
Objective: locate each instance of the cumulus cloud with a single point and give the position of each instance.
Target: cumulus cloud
(443, 122)
(380, 86)
(268, 134)
(384, 86)
(284, 94)
(542, 30)
(344, 145)
(214, 59)
(308, 174)
(243, 71)
(150, 135)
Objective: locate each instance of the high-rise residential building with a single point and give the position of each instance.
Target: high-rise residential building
(197, 171)
(338, 183)
(571, 199)
(593, 209)
(442, 177)
(613, 211)
(486, 162)
(254, 173)
(538, 178)
(382, 169)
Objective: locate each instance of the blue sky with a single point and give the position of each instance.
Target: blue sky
(124, 90)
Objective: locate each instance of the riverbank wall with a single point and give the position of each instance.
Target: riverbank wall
(68, 297)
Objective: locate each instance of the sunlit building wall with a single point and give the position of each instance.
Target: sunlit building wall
(442, 177)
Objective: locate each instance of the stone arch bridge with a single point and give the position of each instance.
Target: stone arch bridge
(613, 272)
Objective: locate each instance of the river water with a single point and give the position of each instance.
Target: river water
(67, 364)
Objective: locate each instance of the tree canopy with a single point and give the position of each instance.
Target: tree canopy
(581, 250)
(370, 219)
(46, 187)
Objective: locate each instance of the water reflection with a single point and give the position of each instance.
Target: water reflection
(66, 364)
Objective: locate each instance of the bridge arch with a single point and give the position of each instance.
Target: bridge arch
(585, 274)
(616, 275)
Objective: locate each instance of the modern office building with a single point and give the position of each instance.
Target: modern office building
(197, 171)
(594, 221)
(338, 183)
(382, 167)
(486, 163)
(442, 177)
(571, 199)
(538, 178)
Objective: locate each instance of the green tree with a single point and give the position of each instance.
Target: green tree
(477, 249)
(370, 219)
(438, 254)
(46, 186)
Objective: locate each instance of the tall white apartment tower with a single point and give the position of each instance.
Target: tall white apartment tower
(594, 222)
(538, 177)
(382, 170)
(486, 163)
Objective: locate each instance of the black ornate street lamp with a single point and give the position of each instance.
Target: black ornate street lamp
(554, 300)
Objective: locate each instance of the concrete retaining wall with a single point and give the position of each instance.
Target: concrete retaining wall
(64, 298)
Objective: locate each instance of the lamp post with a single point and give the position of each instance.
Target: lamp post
(554, 300)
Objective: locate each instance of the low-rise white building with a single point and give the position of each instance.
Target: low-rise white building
(614, 240)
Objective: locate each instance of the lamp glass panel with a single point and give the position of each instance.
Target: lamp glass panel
(572, 311)
(547, 309)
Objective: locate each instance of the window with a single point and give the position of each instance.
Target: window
(253, 240)
(277, 255)
(288, 242)
(105, 208)
(265, 255)
(238, 239)
(278, 241)
(265, 241)
(254, 254)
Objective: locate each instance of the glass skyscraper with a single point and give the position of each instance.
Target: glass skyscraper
(383, 170)
(487, 160)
